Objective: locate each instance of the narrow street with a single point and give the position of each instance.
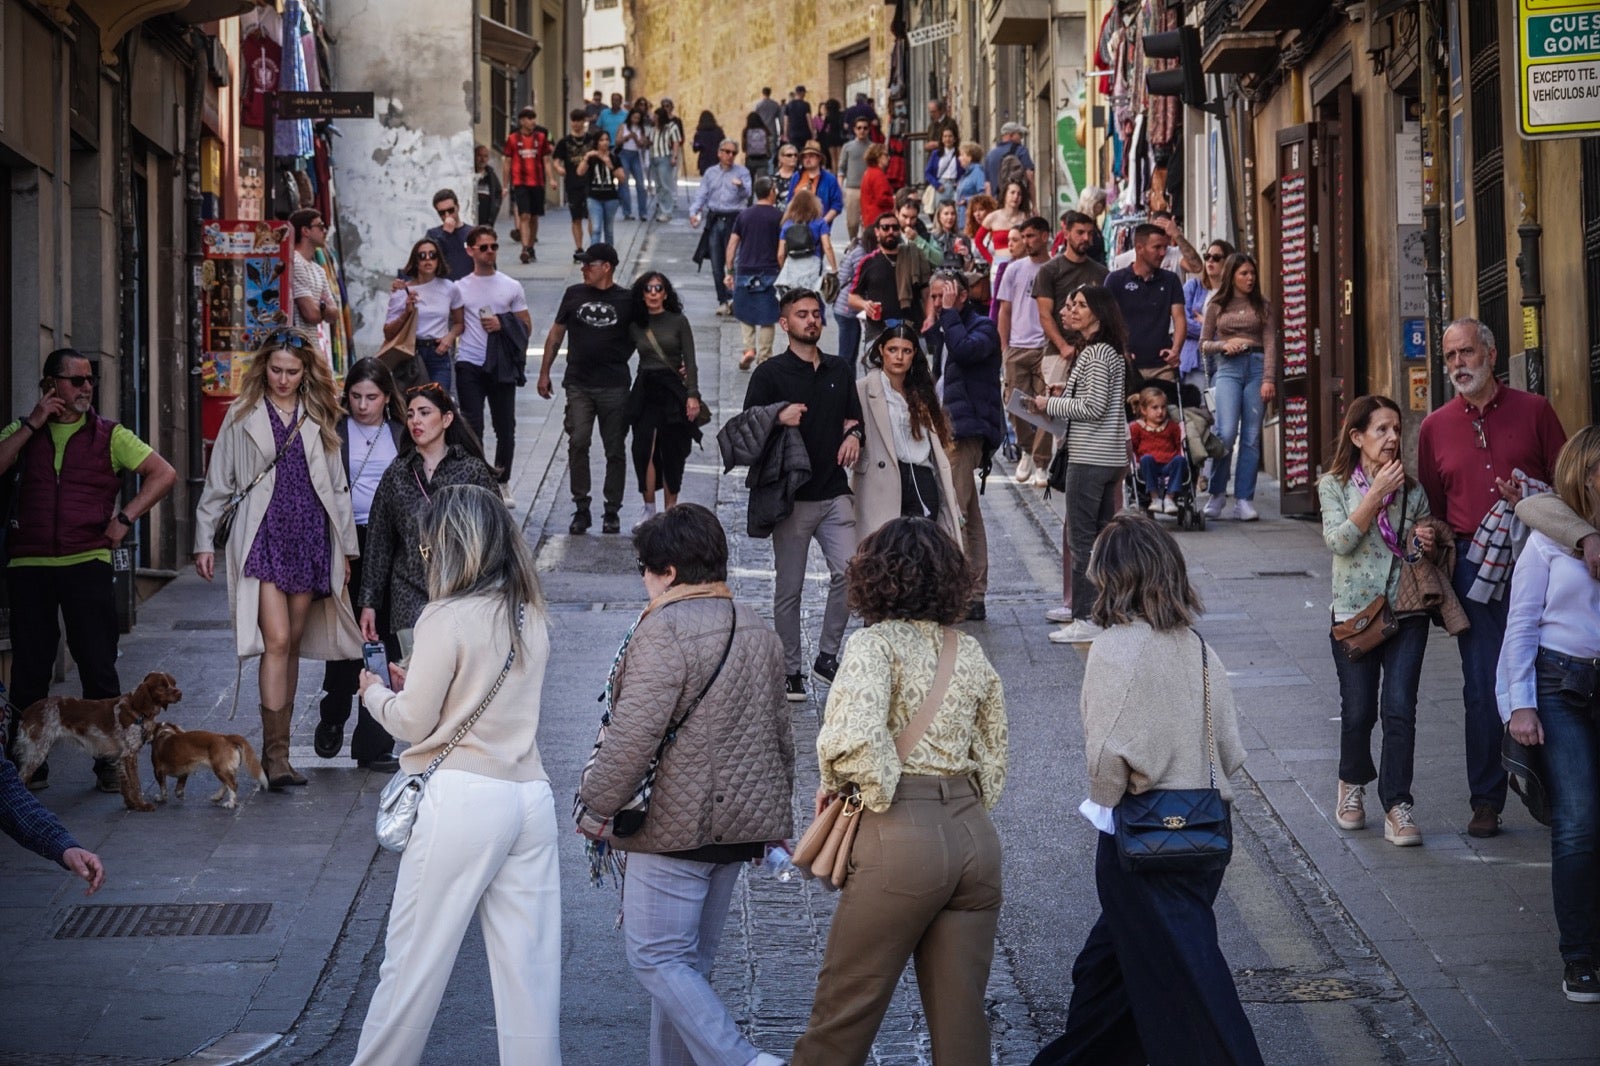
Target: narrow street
(1346, 950)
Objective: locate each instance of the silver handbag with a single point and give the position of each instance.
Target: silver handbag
(402, 796)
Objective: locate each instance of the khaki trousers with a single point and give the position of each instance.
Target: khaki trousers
(756, 339)
(966, 455)
(852, 211)
(924, 884)
(1024, 369)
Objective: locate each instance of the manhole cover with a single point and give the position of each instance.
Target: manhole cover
(95, 922)
(1284, 986)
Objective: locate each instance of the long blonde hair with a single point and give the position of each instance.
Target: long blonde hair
(475, 549)
(316, 391)
(1578, 458)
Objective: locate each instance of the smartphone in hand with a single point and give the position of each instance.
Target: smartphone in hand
(376, 659)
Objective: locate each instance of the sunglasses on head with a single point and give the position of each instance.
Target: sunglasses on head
(283, 338)
(77, 381)
(429, 388)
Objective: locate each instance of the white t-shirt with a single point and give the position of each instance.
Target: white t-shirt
(498, 293)
(371, 451)
(435, 301)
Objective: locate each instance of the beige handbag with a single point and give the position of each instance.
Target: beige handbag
(403, 345)
(823, 851)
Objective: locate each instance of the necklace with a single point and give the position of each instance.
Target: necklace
(371, 441)
(290, 413)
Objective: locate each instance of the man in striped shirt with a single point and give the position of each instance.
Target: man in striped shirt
(525, 154)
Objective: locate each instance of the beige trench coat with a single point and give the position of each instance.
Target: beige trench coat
(877, 475)
(243, 448)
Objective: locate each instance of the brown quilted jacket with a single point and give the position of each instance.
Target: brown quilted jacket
(728, 778)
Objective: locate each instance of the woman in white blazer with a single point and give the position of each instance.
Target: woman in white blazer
(294, 534)
(903, 469)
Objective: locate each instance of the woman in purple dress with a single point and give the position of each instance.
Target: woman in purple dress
(293, 534)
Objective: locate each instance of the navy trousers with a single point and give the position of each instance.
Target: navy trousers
(1151, 985)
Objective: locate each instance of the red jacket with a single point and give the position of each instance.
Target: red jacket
(877, 198)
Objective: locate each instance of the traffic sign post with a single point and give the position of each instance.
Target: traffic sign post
(1558, 68)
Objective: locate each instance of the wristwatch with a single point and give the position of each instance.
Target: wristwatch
(857, 432)
(122, 516)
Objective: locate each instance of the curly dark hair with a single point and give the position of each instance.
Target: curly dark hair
(912, 570)
(921, 398)
(673, 304)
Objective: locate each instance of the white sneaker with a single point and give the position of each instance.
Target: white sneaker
(725, 308)
(763, 1059)
(1040, 479)
(1167, 506)
(1214, 506)
(506, 497)
(1244, 511)
(1081, 632)
(1024, 469)
(1154, 506)
(1059, 614)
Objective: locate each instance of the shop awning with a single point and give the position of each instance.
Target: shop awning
(502, 46)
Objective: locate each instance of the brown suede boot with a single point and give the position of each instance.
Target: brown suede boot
(275, 748)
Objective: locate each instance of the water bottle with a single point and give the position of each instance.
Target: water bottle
(778, 863)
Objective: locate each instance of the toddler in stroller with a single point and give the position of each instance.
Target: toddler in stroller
(1158, 452)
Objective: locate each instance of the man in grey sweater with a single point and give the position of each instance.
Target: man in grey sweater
(853, 164)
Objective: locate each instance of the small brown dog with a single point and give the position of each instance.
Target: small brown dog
(180, 752)
(114, 729)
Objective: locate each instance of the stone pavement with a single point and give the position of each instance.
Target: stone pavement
(1346, 950)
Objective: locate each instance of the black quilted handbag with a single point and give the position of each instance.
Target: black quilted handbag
(1177, 830)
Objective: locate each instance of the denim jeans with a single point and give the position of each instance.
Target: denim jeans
(436, 362)
(635, 196)
(1569, 711)
(665, 172)
(720, 226)
(1480, 654)
(1239, 412)
(1163, 479)
(849, 338)
(1381, 686)
(602, 220)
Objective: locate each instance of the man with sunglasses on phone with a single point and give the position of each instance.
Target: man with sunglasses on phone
(451, 233)
(1468, 454)
(64, 523)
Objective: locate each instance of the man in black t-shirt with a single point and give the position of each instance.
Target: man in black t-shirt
(822, 403)
(569, 152)
(797, 118)
(598, 312)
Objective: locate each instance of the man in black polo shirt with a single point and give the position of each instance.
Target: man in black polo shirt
(599, 313)
(1152, 305)
(820, 391)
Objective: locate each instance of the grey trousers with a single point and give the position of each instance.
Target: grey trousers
(609, 407)
(673, 915)
(1093, 493)
(832, 524)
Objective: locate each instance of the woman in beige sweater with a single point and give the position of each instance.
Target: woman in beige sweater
(485, 837)
(1151, 984)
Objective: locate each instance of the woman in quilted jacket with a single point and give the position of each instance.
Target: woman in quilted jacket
(706, 675)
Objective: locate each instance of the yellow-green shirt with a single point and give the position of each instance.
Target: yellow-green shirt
(884, 676)
(128, 452)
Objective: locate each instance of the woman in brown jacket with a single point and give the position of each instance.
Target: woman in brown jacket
(724, 785)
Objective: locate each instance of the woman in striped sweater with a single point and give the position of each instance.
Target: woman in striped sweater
(1092, 400)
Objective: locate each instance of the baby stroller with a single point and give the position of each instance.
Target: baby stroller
(1186, 406)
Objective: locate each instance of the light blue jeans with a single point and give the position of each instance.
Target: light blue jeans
(1239, 412)
(634, 201)
(603, 219)
(673, 915)
(666, 176)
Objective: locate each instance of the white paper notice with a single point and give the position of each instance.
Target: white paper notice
(1017, 405)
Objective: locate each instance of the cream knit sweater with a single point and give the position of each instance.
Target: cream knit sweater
(460, 649)
(1144, 714)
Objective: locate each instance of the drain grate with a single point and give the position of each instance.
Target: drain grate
(1289, 986)
(99, 921)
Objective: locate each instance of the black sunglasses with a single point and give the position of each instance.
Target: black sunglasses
(495, 247)
(427, 255)
(1214, 258)
(77, 381)
(284, 338)
(655, 287)
(642, 567)
(443, 211)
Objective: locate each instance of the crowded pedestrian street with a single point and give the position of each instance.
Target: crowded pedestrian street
(927, 533)
(1344, 949)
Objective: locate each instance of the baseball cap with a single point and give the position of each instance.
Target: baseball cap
(599, 252)
(527, 112)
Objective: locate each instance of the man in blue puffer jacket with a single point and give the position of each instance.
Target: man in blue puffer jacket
(977, 414)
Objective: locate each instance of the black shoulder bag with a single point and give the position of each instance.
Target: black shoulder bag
(1177, 830)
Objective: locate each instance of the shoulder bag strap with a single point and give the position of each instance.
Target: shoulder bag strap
(672, 729)
(1211, 737)
(294, 431)
(511, 657)
(650, 335)
(913, 733)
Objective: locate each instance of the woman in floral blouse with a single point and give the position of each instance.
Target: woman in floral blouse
(1370, 514)
(924, 877)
